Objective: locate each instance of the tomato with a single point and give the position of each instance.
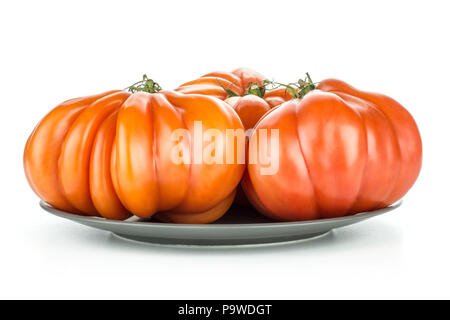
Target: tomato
(110, 155)
(341, 151)
(217, 83)
(250, 108)
(242, 88)
(277, 96)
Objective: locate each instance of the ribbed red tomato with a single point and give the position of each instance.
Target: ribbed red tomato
(243, 89)
(341, 151)
(110, 155)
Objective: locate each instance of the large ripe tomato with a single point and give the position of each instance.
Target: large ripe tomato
(110, 155)
(341, 151)
(242, 88)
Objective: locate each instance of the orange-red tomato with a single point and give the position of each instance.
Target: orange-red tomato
(110, 155)
(341, 151)
(249, 107)
(215, 83)
(277, 96)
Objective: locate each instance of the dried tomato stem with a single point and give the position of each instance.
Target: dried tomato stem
(145, 85)
(257, 88)
(300, 89)
(230, 93)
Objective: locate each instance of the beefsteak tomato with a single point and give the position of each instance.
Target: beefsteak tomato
(110, 155)
(243, 88)
(341, 151)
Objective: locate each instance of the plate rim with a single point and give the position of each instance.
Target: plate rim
(363, 215)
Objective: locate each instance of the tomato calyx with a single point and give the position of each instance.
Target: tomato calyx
(145, 85)
(306, 85)
(299, 89)
(253, 88)
(230, 93)
(257, 88)
(296, 90)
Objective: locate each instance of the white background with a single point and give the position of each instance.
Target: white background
(54, 50)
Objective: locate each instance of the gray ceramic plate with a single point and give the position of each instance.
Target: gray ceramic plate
(241, 225)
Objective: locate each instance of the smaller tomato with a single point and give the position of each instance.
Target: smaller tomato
(277, 96)
(250, 109)
(243, 89)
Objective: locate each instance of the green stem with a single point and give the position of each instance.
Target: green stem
(145, 85)
(301, 88)
(230, 93)
(309, 78)
(257, 88)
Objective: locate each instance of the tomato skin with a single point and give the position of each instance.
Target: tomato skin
(277, 96)
(43, 149)
(203, 217)
(342, 151)
(247, 76)
(213, 84)
(74, 160)
(110, 155)
(102, 191)
(250, 109)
